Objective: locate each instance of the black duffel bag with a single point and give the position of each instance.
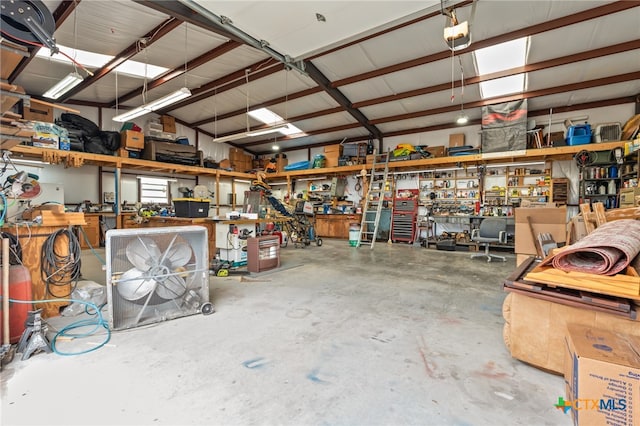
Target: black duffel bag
(95, 145)
(88, 127)
(110, 140)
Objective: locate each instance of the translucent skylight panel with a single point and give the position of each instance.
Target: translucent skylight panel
(501, 57)
(502, 86)
(97, 60)
(267, 116)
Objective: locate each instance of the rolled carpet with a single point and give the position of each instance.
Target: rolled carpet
(606, 251)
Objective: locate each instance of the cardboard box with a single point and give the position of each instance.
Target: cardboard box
(281, 163)
(332, 159)
(64, 143)
(168, 124)
(236, 154)
(628, 197)
(550, 220)
(47, 135)
(535, 329)
(225, 164)
(38, 112)
(333, 150)
(130, 139)
(436, 151)
(577, 228)
(602, 377)
(241, 165)
(370, 158)
(456, 139)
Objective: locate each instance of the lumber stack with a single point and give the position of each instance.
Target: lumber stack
(625, 285)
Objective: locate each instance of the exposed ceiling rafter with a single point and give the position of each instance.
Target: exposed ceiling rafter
(152, 36)
(176, 72)
(445, 54)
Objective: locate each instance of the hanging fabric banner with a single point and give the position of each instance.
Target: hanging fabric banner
(504, 126)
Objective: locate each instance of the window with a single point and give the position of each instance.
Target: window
(154, 191)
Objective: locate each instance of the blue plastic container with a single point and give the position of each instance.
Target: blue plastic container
(579, 135)
(300, 165)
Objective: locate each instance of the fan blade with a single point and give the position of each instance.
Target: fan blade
(133, 285)
(143, 253)
(178, 255)
(171, 288)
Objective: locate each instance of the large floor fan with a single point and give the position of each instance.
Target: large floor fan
(156, 274)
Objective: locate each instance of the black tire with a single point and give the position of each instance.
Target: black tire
(319, 242)
(207, 308)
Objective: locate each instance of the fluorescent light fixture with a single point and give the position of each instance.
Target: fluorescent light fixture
(164, 101)
(171, 98)
(130, 115)
(531, 163)
(29, 163)
(313, 178)
(98, 60)
(63, 86)
(258, 132)
(501, 57)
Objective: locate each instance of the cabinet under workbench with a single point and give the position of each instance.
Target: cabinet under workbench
(335, 225)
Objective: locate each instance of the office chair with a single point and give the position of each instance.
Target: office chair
(492, 230)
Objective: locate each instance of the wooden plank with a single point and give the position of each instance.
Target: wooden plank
(628, 213)
(58, 106)
(589, 219)
(10, 57)
(55, 217)
(617, 285)
(598, 211)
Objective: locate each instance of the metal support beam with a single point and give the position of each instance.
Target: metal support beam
(225, 24)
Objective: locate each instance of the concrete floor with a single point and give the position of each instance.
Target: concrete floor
(337, 335)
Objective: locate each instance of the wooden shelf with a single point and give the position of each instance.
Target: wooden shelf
(77, 159)
(82, 158)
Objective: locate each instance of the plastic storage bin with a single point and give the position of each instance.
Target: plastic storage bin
(191, 207)
(579, 135)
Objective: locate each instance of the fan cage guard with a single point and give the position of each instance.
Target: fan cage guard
(150, 308)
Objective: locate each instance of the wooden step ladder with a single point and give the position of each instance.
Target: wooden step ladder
(379, 186)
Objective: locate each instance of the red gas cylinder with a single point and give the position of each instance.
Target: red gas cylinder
(19, 289)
